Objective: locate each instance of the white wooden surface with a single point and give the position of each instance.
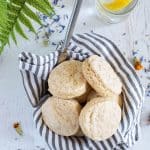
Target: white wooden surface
(14, 105)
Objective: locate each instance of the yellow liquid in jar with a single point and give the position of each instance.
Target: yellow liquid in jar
(116, 5)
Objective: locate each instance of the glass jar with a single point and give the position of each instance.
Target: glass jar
(114, 11)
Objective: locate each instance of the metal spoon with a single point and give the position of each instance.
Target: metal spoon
(70, 29)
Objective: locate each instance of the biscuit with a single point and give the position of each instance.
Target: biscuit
(61, 116)
(66, 81)
(101, 76)
(117, 98)
(100, 118)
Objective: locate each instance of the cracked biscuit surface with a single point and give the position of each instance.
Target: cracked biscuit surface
(100, 118)
(61, 116)
(101, 76)
(67, 81)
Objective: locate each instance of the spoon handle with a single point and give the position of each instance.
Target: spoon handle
(72, 22)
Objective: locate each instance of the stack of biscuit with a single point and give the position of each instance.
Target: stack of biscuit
(86, 99)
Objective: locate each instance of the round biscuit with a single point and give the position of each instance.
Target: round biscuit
(66, 81)
(101, 76)
(100, 118)
(61, 116)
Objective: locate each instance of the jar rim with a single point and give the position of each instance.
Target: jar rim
(124, 11)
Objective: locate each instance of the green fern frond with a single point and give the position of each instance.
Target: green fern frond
(19, 30)
(2, 39)
(48, 4)
(27, 11)
(26, 22)
(3, 12)
(19, 12)
(13, 36)
(17, 2)
(39, 5)
(8, 42)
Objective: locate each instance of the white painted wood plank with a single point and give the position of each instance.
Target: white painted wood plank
(14, 105)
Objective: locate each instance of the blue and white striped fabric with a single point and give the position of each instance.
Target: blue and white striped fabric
(35, 70)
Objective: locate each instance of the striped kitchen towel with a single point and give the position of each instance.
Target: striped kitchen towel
(35, 70)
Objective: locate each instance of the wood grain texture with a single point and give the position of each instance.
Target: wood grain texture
(14, 105)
